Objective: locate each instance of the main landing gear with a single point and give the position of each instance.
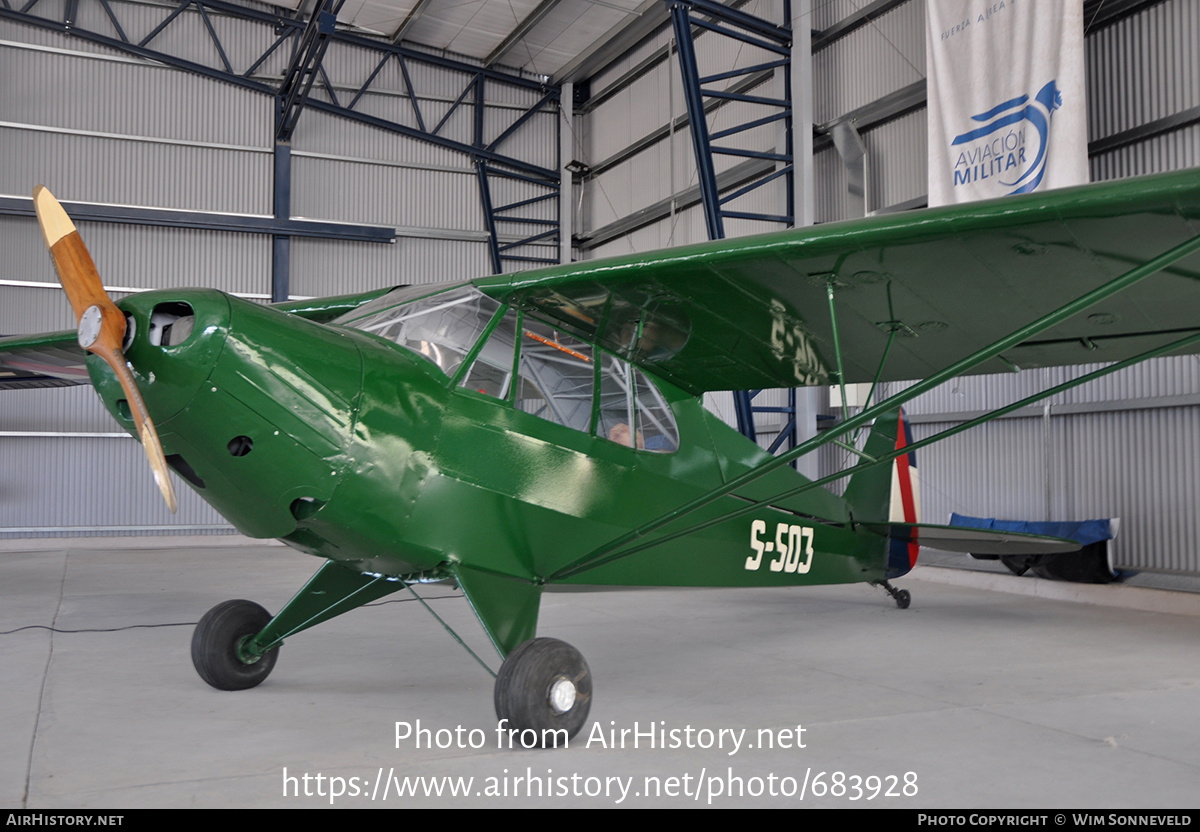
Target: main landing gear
(219, 646)
(902, 597)
(544, 686)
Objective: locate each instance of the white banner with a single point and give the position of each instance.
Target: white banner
(1007, 107)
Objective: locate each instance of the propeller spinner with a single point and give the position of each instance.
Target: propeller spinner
(101, 323)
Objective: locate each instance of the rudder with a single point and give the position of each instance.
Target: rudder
(889, 493)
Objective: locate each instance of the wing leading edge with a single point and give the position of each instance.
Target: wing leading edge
(759, 311)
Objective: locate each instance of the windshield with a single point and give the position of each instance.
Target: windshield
(442, 327)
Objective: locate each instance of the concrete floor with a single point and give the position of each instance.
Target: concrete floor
(989, 699)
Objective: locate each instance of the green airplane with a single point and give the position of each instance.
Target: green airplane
(519, 432)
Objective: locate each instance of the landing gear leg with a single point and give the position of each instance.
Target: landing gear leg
(902, 597)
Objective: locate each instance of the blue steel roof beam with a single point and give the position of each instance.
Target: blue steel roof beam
(751, 154)
(750, 215)
(783, 171)
(281, 24)
(549, 182)
(329, 87)
(530, 201)
(735, 17)
(206, 220)
(439, 61)
(545, 175)
(305, 65)
(744, 38)
(489, 216)
(746, 70)
(526, 220)
(546, 261)
(141, 52)
(697, 122)
(552, 95)
(212, 33)
(171, 17)
(462, 95)
(370, 80)
(528, 240)
(277, 23)
(748, 99)
(284, 36)
(412, 96)
(750, 125)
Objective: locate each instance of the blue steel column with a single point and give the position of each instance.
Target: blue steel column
(697, 120)
(778, 39)
(282, 243)
(489, 216)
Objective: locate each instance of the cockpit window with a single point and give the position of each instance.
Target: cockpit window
(633, 412)
(442, 328)
(491, 372)
(556, 376)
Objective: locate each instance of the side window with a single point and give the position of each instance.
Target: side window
(491, 372)
(555, 376)
(633, 412)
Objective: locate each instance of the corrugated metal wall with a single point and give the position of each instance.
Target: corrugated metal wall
(95, 125)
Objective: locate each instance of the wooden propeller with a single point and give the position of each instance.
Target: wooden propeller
(101, 324)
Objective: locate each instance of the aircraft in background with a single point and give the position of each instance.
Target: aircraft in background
(517, 432)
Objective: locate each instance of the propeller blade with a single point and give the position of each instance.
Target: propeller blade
(101, 324)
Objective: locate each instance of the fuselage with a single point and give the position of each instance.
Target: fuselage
(394, 457)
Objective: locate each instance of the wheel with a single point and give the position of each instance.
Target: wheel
(215, 645)
(1018, 565)
(903, 598)
(1090, 565)
(544, 686)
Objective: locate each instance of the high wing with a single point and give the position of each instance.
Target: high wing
(926, 288)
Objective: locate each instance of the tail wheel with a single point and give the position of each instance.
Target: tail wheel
(217, 646)
(544, 686)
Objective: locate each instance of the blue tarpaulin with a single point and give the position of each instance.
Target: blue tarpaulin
(1086, 532)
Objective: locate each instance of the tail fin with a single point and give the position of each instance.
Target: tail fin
(889, 493)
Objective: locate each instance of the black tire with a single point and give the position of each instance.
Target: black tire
(215, 646)
(1090, 565)
(528, 682)
(1018, 565)
(903, 598)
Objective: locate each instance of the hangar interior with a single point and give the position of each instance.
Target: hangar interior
(284, 151)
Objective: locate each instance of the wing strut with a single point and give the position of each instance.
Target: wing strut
(604, 553)
(872, 462)
(837, 344)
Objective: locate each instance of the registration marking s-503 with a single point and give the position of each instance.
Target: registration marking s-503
(790, 542)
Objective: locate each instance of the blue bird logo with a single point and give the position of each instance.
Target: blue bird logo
(1010, 113)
